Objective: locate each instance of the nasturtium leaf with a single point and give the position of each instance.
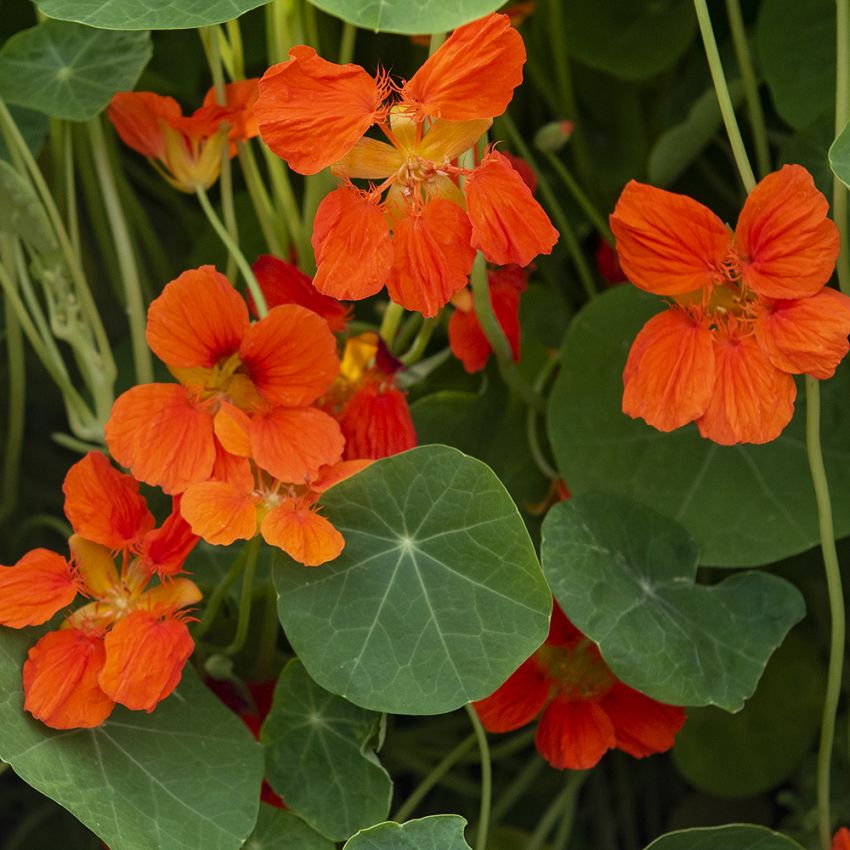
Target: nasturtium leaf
(186, 775)
(70, 71)
(740, 755)
(437, 832)
(147, 15)
(839, 156)
(801, 91)
(632, 39)
(33, 127)
(624, 575)
(320, 757)
(745, 505)
(21, 212)
(402, 16)
(437, 596)
(280, 829)
(732, 837)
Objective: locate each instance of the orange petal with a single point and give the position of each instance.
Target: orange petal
(787, 243)
(165, 549)
(642, 725)
(240, 98)
(330, 475)
(369, 159)
(574, 735)
(351, 240)
(447, 140)
(508, 225)
(841, 839)
(306, 536)
(198, 320)
(292, 443)
(231, 428)
(807, 335)
(145, 655)
(162, 436)
(104, 505)
(290, 355)
(60, 680)
(232, 469)
(472, 75)
(669, 376)
(311, 112)
(517, 701)
(668, 244)
(376, 422)
(33, 590)
(752, 400)
(433, 257)
(96, 567)
(170, 596)
(138, 118)
(220, 512)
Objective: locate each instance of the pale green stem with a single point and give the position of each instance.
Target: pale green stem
(417, 350)
(237, 54)
(727, 108)
(842, 115)
(288, 207)
(390, 322)
(267, 644)
(437, 38)
(219, 594)
(75, 445)
(71, 211)
(126, 256)
(566, 800)
(260, 200)
(486, 780)
(245, 598)
(15, 418)
(311, 27)
(235, 252)
(532, 432)
(346, 43)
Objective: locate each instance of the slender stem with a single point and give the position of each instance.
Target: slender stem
(245, 598)
(437, 39)
(124, 251)
(346, 43)
(311, 26)
(267, 645)
(288, 206)
(417, 350)
(727, 109)
(260, 200)
(237, 54)
(565, 800)
(520, 784)
(390, 322)
(408, 807)
(842, 115)
(235, 252)
(71, 210)
(531, 424)
(836, 608)
(486, 780)
(16, 400)
(219, 594)
(751, 87)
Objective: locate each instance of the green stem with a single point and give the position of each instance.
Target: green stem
(71, 211)
(520, 784)
(531, 423)
(390, 322)
(219, 594)
(346, 43)
(80, 446)
(486, 780)
(288, 206)
(408, 807)
(836, 607)
(260, 200)
(417, 350)
(16, 401)
(437, 39)
(311, 27)
(566, 800)
(727, 109)
(245, 598)
(751, 87)
(126, 256)
(237, 54)
(267, 646)
(842, 115)
(235, 252)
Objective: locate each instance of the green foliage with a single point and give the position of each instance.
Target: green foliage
(725, 838)
(745, 505)
(33, 126)
(21, 213)
(809, 147)
(320, 757)
(839, 156)
(438, 832)
(437, 596)
(625, 576)
(70, 71)
(279, 829)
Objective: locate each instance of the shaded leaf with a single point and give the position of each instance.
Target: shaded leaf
(733, 837)
(809, 147)
(33, 126)
(839, 156)
(21, 213)
(437, 832)
(278, 829)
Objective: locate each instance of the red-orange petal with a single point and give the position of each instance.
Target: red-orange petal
(198, 319)
(311, 112)
(376, 422)
(290, 355)
(162, 436)
(472, 75)
(669, 376)
(642, 725)
(508, 225)
(841, 839)
(433, 257)
(292, 443)
(753, 401)
(231, 429)
(145, 655)
(668, 244)
(138, 118)
(220, 512)
(104, 505)
(240, 97)
(165, 549)
(60, 680)
(351, 240)
(515, 702)
(808, 335)
(306, 536)
(787, 244)
(574, 735)
(35, 588)
(330, 475)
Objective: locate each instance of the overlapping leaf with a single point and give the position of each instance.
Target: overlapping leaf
(735, 837)
(438, 832)
(279, 829)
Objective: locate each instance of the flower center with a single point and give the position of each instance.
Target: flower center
(577, 672)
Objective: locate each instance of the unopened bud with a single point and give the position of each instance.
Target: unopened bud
(551, 137)
(219, 667)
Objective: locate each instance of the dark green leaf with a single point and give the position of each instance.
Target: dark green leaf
(21, 212)
(320, 757)
(625, 576)
(33, 126)
(734, 837)
(437, 596)
(438, 832)
(278, 829)
(809, 147)
(70, 71)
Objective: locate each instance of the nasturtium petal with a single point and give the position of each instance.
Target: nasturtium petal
(320, 756)
(437, 596)
(625, 576)
(437, 832)
(732, 837)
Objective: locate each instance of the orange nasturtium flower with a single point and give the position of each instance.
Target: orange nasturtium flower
(748, 310)
(421, 238)
(584, 709)
(185, 149)
(128, 644)
(841, 839)
(272, 370)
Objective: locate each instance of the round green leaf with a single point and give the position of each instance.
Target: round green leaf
(437, 596)
(438, 832)
(145, 15)
(625, 576)
(402, 16)
(187, 775)
(320, 756)
(839, 156)
(745, 505)
(733, 837)
(279, 829)
(70, 71)
(631, 39)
